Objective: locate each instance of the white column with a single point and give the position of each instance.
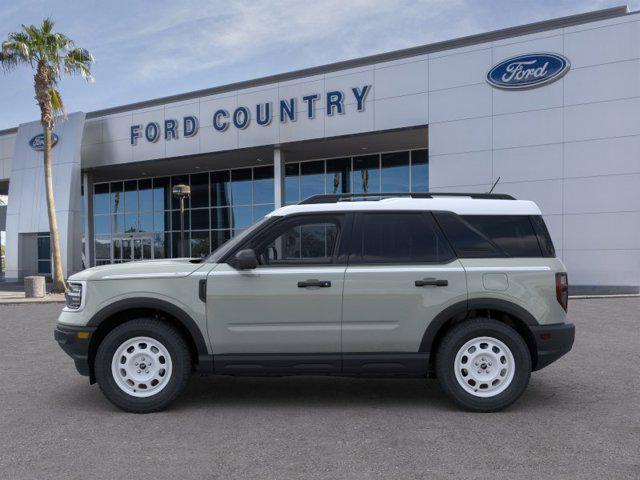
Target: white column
(278, 177)
(87, 205)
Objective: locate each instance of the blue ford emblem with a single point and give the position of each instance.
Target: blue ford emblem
(528, 71)
(37, 142)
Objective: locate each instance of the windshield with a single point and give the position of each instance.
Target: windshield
(230, 244)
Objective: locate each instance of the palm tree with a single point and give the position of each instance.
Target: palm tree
(49, 54)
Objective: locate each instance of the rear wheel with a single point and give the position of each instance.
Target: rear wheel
(143, 365)
(483, 365)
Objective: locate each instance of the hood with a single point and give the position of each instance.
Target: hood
(174, 268)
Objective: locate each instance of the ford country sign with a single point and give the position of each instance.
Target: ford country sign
(37, 142)
(528, 71)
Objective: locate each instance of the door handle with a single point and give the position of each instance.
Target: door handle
(428, 282)
(314, 283)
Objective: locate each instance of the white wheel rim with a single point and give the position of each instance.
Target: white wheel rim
(141, 367)
(484, 367)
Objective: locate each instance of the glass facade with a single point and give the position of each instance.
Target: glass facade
(397, 172)
(140, 219)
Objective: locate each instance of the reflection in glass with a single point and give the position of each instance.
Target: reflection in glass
(102, 247)
(130, 196)
(395, 172)
(242, 217)
(199, 244)
(263, 185)
(175, 220)
(220, 189)
(200, 190)
(146, 222)
(311, 179)
(260, 211)
(241, 186)
(338, 178)
(131, 222)
(145, 195)
(218, 237)
(200, 219)
(366, 174)
(117, 223)
(291, 183)
(220, 218)
(420, 171)
(102, 224)
(101, 198)
(177, 180)
(161, 194)
(160, 241)
(116, 197)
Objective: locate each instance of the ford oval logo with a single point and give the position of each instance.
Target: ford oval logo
(528, 71)
(37, 142)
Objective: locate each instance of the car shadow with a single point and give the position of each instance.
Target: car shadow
(311, 391)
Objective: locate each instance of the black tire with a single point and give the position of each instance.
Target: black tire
(464, 332)
(177, 348)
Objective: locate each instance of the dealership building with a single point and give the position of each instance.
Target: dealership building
(549, 110)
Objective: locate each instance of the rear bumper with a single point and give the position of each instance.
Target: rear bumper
(77, 347)
(552, 342)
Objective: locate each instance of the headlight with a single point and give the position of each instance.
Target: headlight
(74, 296)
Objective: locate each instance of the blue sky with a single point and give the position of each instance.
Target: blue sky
(148, 49)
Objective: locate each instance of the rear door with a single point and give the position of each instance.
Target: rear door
(401, 274)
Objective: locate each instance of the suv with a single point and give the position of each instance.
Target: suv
(463, 287)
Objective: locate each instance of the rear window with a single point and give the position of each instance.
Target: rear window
(546, 244)
(490, 236)
(399, 238)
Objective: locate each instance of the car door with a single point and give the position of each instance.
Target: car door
(291, 303)
(401, 274)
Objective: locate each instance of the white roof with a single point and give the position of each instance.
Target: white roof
(459, 205)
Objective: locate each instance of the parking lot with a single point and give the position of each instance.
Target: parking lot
(580, 418)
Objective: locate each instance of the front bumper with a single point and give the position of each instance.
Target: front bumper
(75, 342)
(552, 342)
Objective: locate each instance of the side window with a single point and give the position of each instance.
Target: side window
(307, 241)
(512, 233)
(467, 240)
(399, 238)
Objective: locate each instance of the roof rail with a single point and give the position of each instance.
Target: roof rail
(342, 197)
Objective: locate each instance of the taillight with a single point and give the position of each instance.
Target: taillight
(562, 289)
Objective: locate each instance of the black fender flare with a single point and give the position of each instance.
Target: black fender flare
(464, 307)
(156, 304)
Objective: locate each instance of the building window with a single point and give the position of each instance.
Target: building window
(391, 172)
(140, 219)
(44, 253)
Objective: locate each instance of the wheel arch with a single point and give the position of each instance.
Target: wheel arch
(121, 311)
(504, 311)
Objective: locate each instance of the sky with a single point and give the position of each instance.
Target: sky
(148, 49)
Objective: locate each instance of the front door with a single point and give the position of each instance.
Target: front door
(291, 303)
(401, 274)
(131, 248)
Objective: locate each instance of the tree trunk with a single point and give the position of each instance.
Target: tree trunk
(42, 85)
(59, 285)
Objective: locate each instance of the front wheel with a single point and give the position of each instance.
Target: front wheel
(483, 365)
(143, 365)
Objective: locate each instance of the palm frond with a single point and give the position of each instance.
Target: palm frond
(78, 62)
(56, 101)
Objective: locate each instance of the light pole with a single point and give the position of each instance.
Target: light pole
(182, 192)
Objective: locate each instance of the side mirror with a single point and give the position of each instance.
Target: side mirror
(246, 259)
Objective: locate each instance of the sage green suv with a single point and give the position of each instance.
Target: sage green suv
(463, 287)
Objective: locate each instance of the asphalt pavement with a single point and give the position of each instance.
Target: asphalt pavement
(579, 418)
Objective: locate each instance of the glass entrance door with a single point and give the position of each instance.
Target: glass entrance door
(131, 248)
